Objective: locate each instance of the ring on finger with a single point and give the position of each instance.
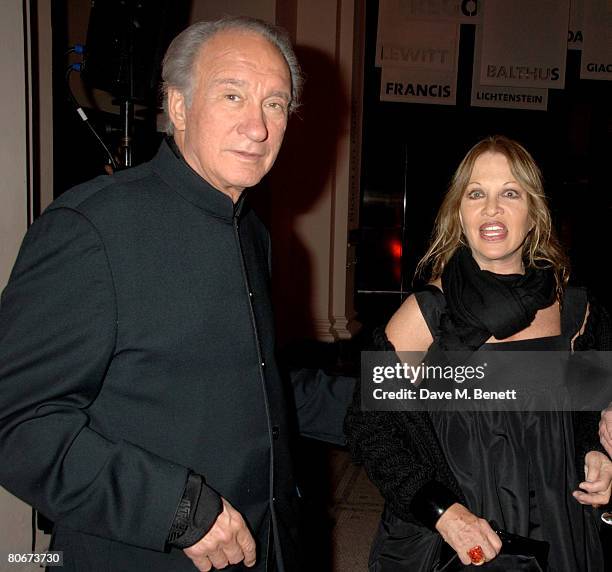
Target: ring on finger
(476, 554)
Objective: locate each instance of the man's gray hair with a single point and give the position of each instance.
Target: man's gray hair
(179, 61)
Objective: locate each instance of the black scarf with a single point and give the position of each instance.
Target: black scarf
(481, 304)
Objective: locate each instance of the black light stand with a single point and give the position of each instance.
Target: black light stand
(126, 40)
(126, 79)
(126, 107)
(117, 30)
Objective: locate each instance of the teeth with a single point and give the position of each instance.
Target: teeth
(492, 228)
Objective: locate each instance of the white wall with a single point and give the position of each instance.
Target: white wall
(44, 129)
(13, 190)
(15, 516)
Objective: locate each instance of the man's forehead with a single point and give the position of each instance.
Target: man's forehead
(230, 55)
(223, 81)
(241, 43)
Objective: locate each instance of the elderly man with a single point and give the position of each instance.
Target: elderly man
(140, 405)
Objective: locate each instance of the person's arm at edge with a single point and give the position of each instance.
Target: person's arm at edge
(595, 334)
(58, 322)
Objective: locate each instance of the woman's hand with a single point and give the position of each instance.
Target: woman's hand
(605, 429)
(598, 480)
(464, 530)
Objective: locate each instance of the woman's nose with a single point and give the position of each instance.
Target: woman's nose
(492, 206)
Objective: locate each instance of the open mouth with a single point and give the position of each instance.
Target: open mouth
(493, 231)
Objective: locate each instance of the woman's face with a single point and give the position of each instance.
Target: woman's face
(494, 213)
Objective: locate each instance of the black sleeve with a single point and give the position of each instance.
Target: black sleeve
(58, 322)
(321, 401)
(401, 455)
(597, 336)
(597, 333)
(199, 508)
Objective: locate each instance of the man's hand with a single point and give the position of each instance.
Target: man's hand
(598, 480)
(605, 429)
(227, 542)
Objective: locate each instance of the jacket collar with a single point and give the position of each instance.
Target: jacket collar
(170, 165)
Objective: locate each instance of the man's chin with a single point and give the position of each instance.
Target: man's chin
(248, 179)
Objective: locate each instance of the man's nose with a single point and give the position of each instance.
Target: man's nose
(253, 123)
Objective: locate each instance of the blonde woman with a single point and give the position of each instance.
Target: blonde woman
(497, 281)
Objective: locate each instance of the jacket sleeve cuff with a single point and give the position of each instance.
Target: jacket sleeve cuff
(196, 513)
(430, 502)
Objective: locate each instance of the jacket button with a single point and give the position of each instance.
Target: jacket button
(250, 294)
(275, 432)
(263, 365)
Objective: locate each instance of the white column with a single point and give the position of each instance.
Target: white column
(345, 206)
(13, 164)
(15, 516)
(44, 129)
(315, 182)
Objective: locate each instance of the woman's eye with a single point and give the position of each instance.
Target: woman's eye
(475, 194)
(511, 193)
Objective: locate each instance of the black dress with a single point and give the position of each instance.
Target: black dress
(514, 468)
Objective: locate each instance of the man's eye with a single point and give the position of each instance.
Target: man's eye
(232, 97)
(276, 105)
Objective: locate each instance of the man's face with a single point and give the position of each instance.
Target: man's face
(232, 131)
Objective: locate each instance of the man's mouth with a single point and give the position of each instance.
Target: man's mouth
(248, 156)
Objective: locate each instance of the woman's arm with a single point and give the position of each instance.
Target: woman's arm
(408, 479)
(407, 330)
(398, 449)
(402, 456)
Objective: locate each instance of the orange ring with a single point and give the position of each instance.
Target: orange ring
(476, 555)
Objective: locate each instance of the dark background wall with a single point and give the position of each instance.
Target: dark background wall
(78, 156)
(409, 153)
(414, 149)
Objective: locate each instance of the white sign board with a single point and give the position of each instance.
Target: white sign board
(596, 60)
(509, 97)
(399, 27)
(414, 85)
(574, 34)
(524, 43)
(462, 11)
(419, 65)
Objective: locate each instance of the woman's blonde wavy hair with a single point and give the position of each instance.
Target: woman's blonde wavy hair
(541, 248)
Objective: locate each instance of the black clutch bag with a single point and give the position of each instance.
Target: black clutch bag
(518, 553)
(520, 545)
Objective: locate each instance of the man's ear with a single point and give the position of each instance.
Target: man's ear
(177, 109)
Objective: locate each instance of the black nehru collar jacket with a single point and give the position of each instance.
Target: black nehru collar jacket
(137, 348)
(193, 187)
